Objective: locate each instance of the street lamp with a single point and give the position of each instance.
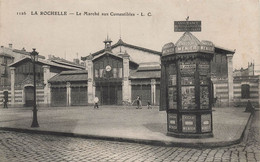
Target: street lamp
(34, 57)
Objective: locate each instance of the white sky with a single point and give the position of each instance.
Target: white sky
(232, 24)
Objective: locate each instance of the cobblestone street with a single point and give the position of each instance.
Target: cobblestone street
(33, 147)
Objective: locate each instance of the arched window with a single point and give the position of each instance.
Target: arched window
(245, 91)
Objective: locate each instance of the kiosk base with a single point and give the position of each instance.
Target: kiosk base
(190, 135)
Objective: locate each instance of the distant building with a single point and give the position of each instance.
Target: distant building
(7, 56)
(247, 85)
(16, 79)
(249, 71)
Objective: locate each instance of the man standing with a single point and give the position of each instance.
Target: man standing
(96, 102)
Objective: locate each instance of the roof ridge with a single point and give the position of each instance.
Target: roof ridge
(71, 63)
(134, 46)
(120, 42)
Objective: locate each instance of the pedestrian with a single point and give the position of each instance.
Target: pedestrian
(149, 106)
(5, 102)
(139, 103)
(96, 102)
(215, 101)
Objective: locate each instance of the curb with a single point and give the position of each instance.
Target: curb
(139, 141)
(244, 135)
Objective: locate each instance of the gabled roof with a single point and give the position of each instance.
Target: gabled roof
(70, 76)
(111, 54)
(45, 62)
(104, 53)
(121, 43)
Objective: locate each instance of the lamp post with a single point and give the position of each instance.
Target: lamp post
(34, 57)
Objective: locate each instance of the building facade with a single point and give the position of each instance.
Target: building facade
(22, 80)
(7, 56)
(116, 74)
(113, 76)
(247, 86)
(119, 73)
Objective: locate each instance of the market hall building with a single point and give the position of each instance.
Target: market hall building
(21, 80)
(118, 74)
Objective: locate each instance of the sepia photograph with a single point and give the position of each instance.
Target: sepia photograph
(129, 80)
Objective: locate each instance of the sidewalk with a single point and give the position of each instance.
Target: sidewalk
(123, 124)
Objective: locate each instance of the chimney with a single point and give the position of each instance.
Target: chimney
(10, 45)
(76, 61)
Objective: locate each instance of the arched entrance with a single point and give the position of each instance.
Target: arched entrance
(28, 94)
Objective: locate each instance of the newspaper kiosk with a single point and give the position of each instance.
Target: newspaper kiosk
(186, 90)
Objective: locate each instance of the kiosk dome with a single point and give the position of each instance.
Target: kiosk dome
(188, 43)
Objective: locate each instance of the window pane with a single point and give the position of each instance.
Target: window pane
(101, 73)
(120, 73)
(96, 73)
(114, 72)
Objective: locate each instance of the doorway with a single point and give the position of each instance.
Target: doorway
(109, 94)
(29, 93)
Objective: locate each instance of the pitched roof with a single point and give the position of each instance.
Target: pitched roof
(149, 66)
(74, 72)
(145, 71)
(6, 55)
(121, 43)
(70, 76)
(145, 74)
(45, 62)
(65, 62)
(187, 38)
(23, 51)
(219, 49)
